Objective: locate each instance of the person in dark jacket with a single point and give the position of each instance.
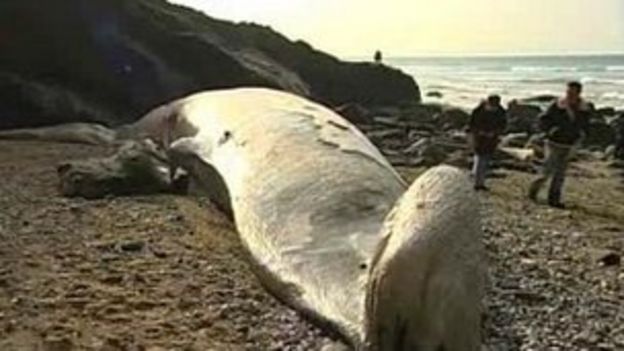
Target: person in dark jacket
(565, 124)
(619, 137)
(487, 123)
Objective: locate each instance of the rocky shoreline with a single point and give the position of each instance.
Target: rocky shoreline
(428, 134)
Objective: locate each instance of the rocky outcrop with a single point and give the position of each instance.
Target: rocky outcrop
(522, 117)
(109, 61)
(452, 118)
(600, 134)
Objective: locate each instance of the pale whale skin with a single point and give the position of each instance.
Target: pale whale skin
(310, 196)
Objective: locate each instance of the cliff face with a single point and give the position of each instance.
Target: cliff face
(112, 60)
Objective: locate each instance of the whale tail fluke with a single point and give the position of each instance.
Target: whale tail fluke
(427, 279)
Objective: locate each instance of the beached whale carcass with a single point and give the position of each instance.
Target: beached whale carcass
(332, 229)
(330, 226)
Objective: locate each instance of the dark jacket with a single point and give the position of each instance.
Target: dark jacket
(618, 125)
(563, 125)
(486, 126)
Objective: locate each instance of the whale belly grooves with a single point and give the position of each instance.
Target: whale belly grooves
(310, 196)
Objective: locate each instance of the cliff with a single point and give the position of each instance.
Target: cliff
(110, 61)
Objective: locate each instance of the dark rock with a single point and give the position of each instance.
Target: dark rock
(386, 111)
(522, 118)
(435, 94)
(355, 113)
(385, 134)
(110, 61)
(132, 246)
(421, 113)
(389, 122)
(452, 118)
(539, 99)
(600, 134)
(609, 258)
(427, 152)
(459, 158)
(606, 112)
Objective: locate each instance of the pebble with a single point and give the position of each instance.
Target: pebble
(132, 246)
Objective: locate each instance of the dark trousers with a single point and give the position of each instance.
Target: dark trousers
(554, 169)
(619, 147)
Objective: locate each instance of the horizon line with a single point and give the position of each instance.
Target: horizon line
(493, 55)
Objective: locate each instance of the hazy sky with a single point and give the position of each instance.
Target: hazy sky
(419, 27)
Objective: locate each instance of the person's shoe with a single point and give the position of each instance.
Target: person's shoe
(557, 204)
(481, 188)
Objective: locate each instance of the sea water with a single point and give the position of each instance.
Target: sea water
(464, 81)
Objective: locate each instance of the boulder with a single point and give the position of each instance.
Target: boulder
(606, 112)
(452, 118)
(355, 113)
(426, 152)
(522, 118)
(419, 114)
(600, 134)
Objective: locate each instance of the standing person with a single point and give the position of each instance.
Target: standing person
(565, 123)
(378, 57)
(487, 123)
(619, 137)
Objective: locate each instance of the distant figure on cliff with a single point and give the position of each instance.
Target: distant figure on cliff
(487, 123)
(378, 57)
(565, 123)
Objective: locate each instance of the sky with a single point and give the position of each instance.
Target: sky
(352, 28)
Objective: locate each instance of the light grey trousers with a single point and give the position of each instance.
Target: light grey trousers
(481, 168)
(554, 169)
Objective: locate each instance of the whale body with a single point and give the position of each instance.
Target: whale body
(330, 226)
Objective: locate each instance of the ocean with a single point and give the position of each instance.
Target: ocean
(464, 81)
